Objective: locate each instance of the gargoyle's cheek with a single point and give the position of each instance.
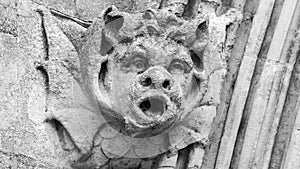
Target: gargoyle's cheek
(190, 85)
(120, 90)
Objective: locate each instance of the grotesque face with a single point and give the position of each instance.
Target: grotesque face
(151, 74)
(150, 82)
(137, 86)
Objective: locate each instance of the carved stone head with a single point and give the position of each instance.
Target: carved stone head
(136, 85)
(151, 73)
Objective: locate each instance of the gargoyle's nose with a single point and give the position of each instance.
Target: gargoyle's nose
(156, 77)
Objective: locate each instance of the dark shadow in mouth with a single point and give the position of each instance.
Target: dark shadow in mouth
(153, 106)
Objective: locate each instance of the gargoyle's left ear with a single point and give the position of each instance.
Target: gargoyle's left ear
(199, 45)
(202, 33)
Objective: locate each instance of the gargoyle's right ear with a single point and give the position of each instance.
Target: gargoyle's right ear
(72, 27)
(113, 20)
(103, 34)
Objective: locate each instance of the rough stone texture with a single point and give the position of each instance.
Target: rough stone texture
(56, 117)
(283, 147)
(289, 123)
(236, 49)
(77, 84)
(267, 97)
(23, 142)
(242, 84)
(257, 74)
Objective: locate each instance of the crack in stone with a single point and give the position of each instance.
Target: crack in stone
(44, 35)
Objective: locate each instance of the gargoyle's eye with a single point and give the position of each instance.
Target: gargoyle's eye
(139, 64)
(178, 66)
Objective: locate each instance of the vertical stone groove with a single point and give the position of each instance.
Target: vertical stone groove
(289, 113)
(242, 84)
(242, 34)
(255, 79)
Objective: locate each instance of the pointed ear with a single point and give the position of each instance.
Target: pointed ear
(74, 28)
(202, 38)
(103, 34)
(113, 20)
(202, 33)
(198, 49)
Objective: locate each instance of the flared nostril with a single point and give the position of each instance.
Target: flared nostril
(166, 84)
(146, 82)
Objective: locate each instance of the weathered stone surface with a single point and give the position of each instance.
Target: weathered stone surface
(139, 84)
(23, 142)
(267, 98)
(52, 80)
(241, 88)
(270, 95)
(195, 158)
(168, 161)
(8, 19)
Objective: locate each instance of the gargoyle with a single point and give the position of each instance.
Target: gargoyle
(138, 84)
(148, 79)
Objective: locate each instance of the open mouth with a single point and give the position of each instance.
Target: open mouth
(153, 106)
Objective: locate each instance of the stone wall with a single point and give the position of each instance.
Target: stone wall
(255, 116)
